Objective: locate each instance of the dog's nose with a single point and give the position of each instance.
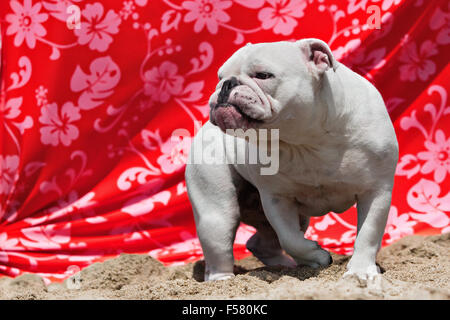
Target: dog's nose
(227, 86)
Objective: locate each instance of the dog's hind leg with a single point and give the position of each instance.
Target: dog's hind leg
(267, 249)
(264, 244)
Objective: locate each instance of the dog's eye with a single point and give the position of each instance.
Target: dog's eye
(263, 75)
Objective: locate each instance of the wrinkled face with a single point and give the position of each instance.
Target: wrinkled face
(266, 85)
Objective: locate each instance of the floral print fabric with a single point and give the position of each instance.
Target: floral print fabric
(92, 90)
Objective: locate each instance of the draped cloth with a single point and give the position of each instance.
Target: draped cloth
(91, 92)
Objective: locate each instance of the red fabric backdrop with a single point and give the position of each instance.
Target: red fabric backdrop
(87, 166)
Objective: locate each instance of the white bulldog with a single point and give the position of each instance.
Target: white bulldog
(337, 147)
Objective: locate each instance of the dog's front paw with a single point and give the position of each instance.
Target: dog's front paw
(218, 276)
(362, 272)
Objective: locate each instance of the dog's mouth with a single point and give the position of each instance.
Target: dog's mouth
(229, 116)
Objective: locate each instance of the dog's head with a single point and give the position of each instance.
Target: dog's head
(269, 84)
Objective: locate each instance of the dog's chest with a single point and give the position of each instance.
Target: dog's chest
(316, 198)
(319, 199)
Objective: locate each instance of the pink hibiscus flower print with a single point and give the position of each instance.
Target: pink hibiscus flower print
(175, 154)
(8, 172)
(398, 225)
(163, 82)
(11, 109)
(355, 5)
(7, 245)
(97, 30)
(387, 4)
(281, 16)
(25, 23)
(207, 12)
(440, 21)
(57, 124)
(416, 63)
(437, 157)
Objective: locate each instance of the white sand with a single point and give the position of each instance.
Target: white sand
(413, 268)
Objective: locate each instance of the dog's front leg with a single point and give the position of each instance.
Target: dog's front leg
(284, 216)
(373, 209)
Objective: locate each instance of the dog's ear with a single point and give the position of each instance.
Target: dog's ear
(318, 54)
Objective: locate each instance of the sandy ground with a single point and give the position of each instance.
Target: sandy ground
(413, 268)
